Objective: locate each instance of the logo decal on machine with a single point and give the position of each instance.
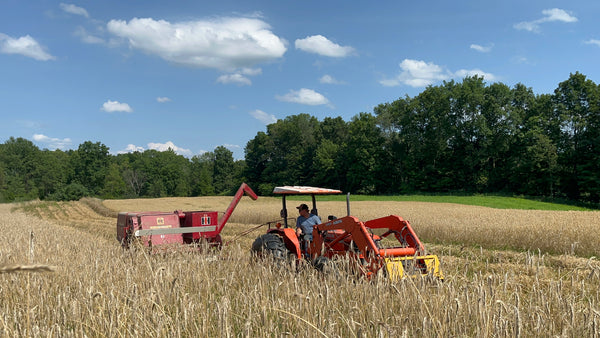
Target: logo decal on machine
(205, 220)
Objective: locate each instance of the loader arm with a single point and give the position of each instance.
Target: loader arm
(244, 188)
(407, 257)
(350, 226)
(402, 231)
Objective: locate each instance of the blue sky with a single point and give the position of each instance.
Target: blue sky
(194, 75)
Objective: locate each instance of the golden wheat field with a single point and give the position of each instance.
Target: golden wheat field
(507, 273)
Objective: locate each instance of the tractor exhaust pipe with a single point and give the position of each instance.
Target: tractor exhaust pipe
(348, 203)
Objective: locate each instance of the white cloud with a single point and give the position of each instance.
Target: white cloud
(87, 37)
(550, 15)
(304, 96)
(72, 9)
(167, 145)
(25, 45)
(251, 71)
(527, 26)
(462, 73)
(238, 79)
(263, 117)
(483, 49)
(556, 14)
(229, 146)
(158, 147)
(223, 43)
(418, 73)
(328, 79)
(30, 124)
(163, 99)
(593, 42)
(52, 142)
(319, 44)
(116, 106)
(131, 148)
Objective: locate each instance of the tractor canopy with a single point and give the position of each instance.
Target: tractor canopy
(304, 190)
(301, 190)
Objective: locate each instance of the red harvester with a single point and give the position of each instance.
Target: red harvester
(156, 228)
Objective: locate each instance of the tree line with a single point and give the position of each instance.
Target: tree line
(457, 137)
(26, 173)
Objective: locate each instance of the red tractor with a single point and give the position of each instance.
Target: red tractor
(156, 228)
(386, 244)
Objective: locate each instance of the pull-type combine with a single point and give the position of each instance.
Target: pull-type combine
(388, 244)
(156, 228)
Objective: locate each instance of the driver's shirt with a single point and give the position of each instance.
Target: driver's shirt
(306, 224)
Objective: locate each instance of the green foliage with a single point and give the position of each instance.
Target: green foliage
(223, 171)
(72, 192)
(202, 175)
(466, 137)
(90, 164)
(114, 183)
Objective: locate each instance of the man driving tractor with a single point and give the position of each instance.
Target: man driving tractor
(305, 223)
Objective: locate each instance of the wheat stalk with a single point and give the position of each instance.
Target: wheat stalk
(29, 268)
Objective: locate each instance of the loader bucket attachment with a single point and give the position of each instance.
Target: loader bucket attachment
(400, 267)
(409, 258)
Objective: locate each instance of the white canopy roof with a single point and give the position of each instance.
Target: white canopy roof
(304, 190)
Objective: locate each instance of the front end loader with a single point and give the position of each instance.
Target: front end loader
(386, 245)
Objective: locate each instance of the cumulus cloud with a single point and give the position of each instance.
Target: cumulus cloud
(318, 44)
(237, 79)
(87, 37)
(169, 145)
(328, 79)
(263, 117)
(462, 73)
(131, 148)
(163, 99)
(251, 71)
(72, 9)
(116, 106)
(304, 96)
(593, 42)
(25, 45)
(230, 146)
(483, 49)
(418, 73)
(240, 77)
(52, 142)
(549, 15)
(225, 43)
(158, 147)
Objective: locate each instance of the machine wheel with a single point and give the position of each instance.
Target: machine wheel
(320, 263)
(270, 244)
(327, 266)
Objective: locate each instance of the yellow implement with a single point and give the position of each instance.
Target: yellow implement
(400, 267)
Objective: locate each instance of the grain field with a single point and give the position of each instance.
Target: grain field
(508, 273)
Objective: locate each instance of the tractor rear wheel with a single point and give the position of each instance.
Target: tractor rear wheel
(270, 244)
